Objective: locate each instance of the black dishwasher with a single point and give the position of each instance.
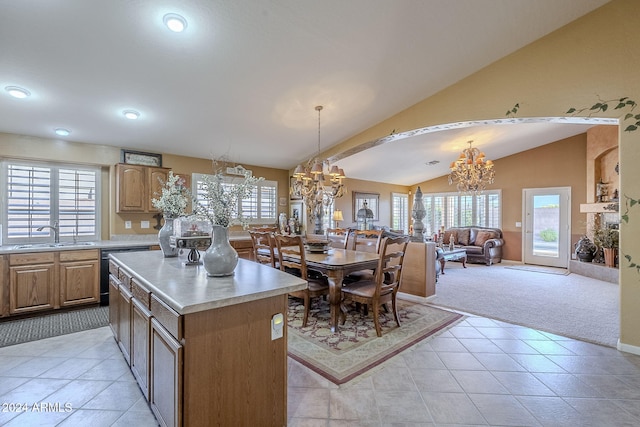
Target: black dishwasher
(104, 268)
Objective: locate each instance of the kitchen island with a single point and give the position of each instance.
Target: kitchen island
(203, 349)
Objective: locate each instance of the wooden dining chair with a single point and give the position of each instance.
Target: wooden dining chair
(385, 284)
(338, 237)
(369, 241)
(263, 247)
(318, 284)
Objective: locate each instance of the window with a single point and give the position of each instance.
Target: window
(458, 210)
(39, 194)
(400, 212)
(261, 205)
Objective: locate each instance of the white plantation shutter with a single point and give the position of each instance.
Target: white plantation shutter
(453, 210)
(37, 195)
(261, 205)
(400, 212)
(77, 202)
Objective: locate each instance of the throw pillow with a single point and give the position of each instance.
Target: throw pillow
(448, 234)
(483, 236)
(463, 236)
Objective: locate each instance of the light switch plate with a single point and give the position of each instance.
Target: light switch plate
(127, 224)
(144, 224)
(518, 224)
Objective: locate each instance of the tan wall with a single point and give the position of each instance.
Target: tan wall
(355, 185)
(593, 58)
(31, 148)
(559, 164)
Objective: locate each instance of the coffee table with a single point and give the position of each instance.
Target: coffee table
(452, 255)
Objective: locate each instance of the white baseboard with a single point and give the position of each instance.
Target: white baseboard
(628, 348)
(414, 298)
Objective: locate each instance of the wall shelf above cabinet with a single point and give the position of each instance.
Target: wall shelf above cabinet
(604, 207)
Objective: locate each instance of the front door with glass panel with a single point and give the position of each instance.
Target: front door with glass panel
(547, 213)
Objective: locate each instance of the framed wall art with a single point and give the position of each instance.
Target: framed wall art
(140, 158)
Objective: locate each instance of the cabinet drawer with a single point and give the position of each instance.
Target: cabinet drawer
(141, 293)
(32, 258)
(171, 320)
(80, 255)
(241, 244)
(125, 277)
(113, 268)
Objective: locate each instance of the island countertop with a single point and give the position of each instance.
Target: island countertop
(188, 289)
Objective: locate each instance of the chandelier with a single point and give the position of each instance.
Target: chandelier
(471, 172)
(318, 182)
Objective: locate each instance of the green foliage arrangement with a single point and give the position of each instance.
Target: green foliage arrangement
(549, 235)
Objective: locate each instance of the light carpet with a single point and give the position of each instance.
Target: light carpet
(356, 348)
(573, 306)
(540, 269)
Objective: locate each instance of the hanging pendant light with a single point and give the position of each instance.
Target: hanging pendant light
(318, 182)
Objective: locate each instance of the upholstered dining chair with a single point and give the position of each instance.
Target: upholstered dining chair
(263, 247)
(318, 284)
(385, 284)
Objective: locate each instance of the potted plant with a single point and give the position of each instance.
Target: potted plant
(608, 239)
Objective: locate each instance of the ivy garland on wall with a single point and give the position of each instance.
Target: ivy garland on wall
(634, 124)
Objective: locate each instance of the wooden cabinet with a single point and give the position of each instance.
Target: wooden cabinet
(124, 322)
(40, 281)
(165, 393)
(114, 312)
(79, 274)
(136, 185)
(32, 282)
(4, 286)
(244, 247)
(140, 333)
(215, 366)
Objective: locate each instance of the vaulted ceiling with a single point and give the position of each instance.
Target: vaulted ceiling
(243, 79)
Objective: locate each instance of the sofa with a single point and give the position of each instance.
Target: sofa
(482, 244)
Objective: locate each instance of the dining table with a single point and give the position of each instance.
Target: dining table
(336, 264)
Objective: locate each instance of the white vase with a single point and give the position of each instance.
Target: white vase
(164, 236)
(220, 259)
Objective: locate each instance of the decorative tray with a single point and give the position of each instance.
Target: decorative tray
(317, 247)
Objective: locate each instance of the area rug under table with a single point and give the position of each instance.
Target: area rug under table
(356, 348)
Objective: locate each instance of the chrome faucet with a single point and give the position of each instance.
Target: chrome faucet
(56, 231)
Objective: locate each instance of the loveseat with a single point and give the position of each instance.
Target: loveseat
(483, 244)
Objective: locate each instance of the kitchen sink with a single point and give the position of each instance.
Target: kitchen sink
(52, 245)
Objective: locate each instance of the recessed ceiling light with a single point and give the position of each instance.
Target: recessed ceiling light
(17, 92)
(62, 132)
(175, 22)
(131, 114)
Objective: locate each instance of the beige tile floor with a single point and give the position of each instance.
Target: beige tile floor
(480, 372)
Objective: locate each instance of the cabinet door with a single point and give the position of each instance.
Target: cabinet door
(4, 286)
(124, 322)
(141, 329)
(166, 376)
(114, 299)
(157, 178)
(131, 187)
(244, 248)
(79, 283)
(31, 288)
